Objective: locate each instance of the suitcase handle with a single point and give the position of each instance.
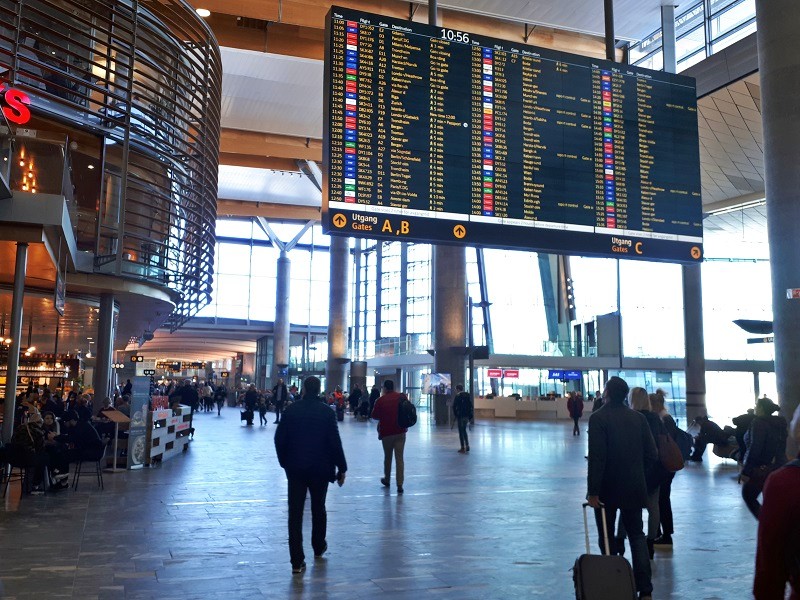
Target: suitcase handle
(605, 528)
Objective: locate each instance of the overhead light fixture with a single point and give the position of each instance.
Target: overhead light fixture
(204, 12)
(90, 167)
(32, 349)
(736, 207)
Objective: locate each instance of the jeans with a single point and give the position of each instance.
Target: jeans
(394, 444)
(752, 488)
(298, 486)
(665, 506)
(576, 430)
(463, 438)
(652, 517)
(632, 521)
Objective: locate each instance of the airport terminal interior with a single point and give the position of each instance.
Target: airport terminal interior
(526, 199)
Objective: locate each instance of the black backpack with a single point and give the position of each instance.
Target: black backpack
(406, 413)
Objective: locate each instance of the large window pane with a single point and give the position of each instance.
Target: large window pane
(517, 311)
(735, 290)
(734, 37)
(233, 259)
(736, 15)
(652, 289)
(235, 228)
(686, 21)
(262, 298)
(649, 44)
(233, 296)
(690, 43)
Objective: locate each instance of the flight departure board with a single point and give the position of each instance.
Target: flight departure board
(444, 136)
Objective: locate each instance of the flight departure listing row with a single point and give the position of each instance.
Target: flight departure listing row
(445, 136)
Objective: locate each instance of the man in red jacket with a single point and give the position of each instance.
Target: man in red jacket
(390, 433)
(778, 553)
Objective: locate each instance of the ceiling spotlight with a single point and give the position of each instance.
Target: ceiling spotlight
(204, 12)
(91, 167)
(32, 349)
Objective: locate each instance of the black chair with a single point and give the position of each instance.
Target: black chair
(96, 455)
(17, 457)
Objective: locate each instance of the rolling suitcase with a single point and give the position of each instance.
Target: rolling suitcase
(599, 577)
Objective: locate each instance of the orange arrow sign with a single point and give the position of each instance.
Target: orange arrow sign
(340, 220)
(459, 231)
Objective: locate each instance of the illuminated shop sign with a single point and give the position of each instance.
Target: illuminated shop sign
(15, 105)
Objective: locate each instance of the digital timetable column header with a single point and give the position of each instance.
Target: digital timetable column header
(443, 136)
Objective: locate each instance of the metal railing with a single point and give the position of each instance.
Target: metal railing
(137, 86)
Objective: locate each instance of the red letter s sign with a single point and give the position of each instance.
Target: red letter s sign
(17, 110)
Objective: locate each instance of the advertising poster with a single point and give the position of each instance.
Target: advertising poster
(137, 438)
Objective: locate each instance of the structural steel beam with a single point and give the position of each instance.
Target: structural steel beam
(268, 210)
(272, 145)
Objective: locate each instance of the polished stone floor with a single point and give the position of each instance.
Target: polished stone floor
(502, 522)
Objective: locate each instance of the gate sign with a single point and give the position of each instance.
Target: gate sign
(511, 373)
(495, 373)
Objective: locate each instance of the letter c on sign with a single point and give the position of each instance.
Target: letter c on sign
(638, 247)
(17, 110)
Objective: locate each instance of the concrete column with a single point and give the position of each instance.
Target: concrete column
(668, 38)
(280, 337)
(449, 320)
(778, 22)
(105, 349)
(338, 358)
(16, 339)
(695, 362)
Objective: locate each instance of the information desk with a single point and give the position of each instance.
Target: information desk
(501, 407)
(437, 135)
(168, 433)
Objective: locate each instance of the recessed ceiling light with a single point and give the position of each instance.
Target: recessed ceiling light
(204, 12)
(91, 166)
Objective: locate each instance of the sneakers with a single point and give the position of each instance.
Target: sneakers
(299, 569)
(462, 451)
(385, 482)
(663, 540)
(324, 549)
(399, 490)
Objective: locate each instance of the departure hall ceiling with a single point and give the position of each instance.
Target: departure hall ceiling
(273, 96)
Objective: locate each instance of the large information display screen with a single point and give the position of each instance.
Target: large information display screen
(443, 136)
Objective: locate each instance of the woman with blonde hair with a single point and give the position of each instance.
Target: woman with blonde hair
(665, 489)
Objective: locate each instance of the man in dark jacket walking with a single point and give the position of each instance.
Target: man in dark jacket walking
(462, 409)
(766, 451)
(279, 397)
(621, 450)
(310, 450)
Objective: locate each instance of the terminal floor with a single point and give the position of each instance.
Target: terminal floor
(502, 522)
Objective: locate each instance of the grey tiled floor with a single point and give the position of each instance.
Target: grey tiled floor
(501, 522)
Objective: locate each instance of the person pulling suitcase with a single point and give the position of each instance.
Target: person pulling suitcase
(602, 576)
